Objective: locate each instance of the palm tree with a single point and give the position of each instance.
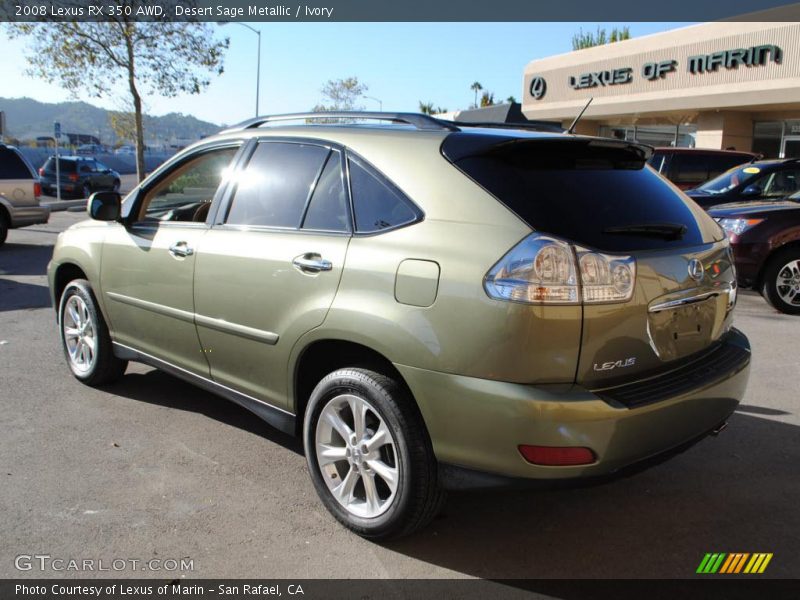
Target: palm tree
(426, 108)
(476, 87)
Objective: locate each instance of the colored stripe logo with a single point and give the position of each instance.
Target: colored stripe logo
(734, 563)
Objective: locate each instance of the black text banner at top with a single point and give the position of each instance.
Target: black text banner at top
(397, 11)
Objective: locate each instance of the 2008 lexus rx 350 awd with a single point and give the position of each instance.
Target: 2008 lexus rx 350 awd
(422, 302)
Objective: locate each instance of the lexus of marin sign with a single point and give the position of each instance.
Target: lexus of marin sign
(654, 71)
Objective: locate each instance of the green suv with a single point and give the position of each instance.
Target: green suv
(430, 306)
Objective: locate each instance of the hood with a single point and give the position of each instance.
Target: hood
(734, 209)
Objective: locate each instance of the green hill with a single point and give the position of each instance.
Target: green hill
(27, 119)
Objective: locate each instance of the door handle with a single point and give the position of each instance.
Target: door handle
(181, 249)
(312, 263)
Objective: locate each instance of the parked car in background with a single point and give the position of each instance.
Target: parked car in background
(125, 150)
(689, 167)
(80, 176)
(765, 237)
(19, 193)
(90, 149)
(766, 180)
(322, 276)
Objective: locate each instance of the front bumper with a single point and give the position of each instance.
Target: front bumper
(477, 424)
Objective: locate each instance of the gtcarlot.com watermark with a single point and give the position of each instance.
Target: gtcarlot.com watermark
(46, 562)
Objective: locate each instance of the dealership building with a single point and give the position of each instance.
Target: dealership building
(733, 85)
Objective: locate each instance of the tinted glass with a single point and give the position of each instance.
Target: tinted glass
(66, 165)
(779, 184)
(721, 163)
(577, 194)
(378, 205)
(273, 189)
(689, 168)
(12, 166)
(327, 210)
(185, 192)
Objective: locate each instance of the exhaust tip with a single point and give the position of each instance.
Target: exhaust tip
(719, 428)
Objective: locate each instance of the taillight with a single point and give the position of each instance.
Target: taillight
(41, 171)
(542, 269)
(37, 189)
(73, 177)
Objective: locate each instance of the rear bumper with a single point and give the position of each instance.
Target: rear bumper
(29, 215)
(478, 424)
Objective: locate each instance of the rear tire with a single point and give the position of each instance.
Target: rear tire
(115, 186)
(781, 281)
(4, 226)
(376, 472)
(85, 338)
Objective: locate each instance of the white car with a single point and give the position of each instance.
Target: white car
(125, 150)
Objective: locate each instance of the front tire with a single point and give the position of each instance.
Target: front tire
(4, 226)
(85, 338)
(369, 455)
(781, 282)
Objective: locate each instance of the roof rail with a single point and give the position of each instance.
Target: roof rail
(418, 120)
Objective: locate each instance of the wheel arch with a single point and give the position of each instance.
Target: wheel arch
(323, 356)
(793, 244)
(65, 273)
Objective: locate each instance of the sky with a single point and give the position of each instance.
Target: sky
(401, 63)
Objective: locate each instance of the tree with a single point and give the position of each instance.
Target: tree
(588, 39)
(342, 94)
(511, 100)
(163, 58)
(487, 99)
(426, 108)
(476, 87)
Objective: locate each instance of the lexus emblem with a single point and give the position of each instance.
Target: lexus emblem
(538, 87)
(696, 269)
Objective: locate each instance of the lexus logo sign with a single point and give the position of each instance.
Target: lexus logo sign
(538, 87)
(696, 269)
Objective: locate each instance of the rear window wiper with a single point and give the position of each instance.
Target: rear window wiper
(667, 231)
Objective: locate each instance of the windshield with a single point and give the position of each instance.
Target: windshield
(730, 179)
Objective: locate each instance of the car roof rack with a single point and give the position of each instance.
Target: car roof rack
(417, 120)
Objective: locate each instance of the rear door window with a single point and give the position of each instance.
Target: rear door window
(12, 166)
(276, 185)
(327, 209)
(578, 192)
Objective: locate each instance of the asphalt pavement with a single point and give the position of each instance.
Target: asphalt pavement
(155, 468)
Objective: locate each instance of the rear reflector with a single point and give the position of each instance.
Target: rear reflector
(37, 189)
(557, 456)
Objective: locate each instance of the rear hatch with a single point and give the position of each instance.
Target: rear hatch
(599, 196)
(68, 170)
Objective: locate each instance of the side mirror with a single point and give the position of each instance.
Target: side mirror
(104, 206)
(752, 191)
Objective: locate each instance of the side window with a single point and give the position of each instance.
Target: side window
(12, 166)
(689, 168)
(327, 210)
(273, 189)
(781, 183)
(377, 204)
(185, 193)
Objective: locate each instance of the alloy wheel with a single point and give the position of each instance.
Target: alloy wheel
(79, 334)
(357, 456)
(787, 283)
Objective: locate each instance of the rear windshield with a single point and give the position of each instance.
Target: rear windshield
(12, 166)
(66, 165)
(580, 192)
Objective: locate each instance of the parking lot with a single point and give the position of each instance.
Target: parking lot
(153, 467)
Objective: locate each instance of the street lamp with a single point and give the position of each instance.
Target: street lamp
(258, 67)
(380, 104)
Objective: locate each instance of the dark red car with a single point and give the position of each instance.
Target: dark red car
(689, 167)
(765, 237)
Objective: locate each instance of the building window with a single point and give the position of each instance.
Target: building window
(767, 138)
